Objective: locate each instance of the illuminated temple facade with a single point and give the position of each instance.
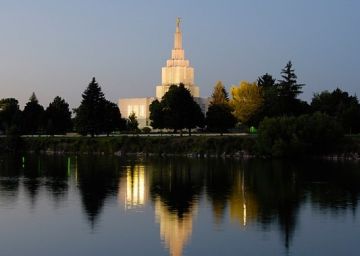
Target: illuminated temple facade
(176, 71)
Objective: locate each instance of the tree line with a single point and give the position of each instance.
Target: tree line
(95, 115)
(250, 104)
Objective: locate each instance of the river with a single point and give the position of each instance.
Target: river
(100, 205)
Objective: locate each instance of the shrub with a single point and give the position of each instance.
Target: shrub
(307, 134)
(146, 130)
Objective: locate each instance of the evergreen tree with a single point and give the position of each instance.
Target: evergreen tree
(90, 114)
(58, 117)
(33, 116)
(219, 117)
(271, 106)
(288, 90)
(219, 95)
(266, 81)
(288, 86)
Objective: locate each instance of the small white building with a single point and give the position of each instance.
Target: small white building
(176, 71)
(139, 106)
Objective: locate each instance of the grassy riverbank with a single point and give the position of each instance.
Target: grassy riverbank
(236, 146)
(159, 145)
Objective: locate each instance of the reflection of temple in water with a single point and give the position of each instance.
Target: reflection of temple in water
(134, 193)
(175, 232)
(133, 187)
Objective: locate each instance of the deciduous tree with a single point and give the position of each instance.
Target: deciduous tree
(339, 104)
(112, 118)
(179, 109)
(58, 117)
(246, 101)
(132, 123)
(219, 118)
(10, 115)
(157, 115)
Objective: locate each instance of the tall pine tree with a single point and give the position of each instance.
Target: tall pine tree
(288, 90)
(288, 86)
(90, 114)
(33, 116)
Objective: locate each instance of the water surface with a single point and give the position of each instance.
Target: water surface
(68, 205)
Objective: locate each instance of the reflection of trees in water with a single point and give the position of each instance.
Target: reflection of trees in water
(55, 171)
(278, 193)
(10, 171)
(32, 177)
(282, 187)
(45, 171)
(219, 179)
(268, 192)
(97, 179)
(177, 183)
(273, 191)
(333, 186)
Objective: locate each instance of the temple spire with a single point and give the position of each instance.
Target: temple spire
(178, 35)
(177, 69)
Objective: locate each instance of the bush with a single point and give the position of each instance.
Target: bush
(307, 134)
(146, 130)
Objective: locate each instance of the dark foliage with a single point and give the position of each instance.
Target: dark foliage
(58, 117)
(10, 116)
(132, 123)
(288, 86)
(219, 118)
(177, 110)
(298, 136)
(33, 117)
(96, 115)
(339, 104)
(157, 115)
(112, 118)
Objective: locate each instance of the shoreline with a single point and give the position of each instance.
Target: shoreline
(226, 147)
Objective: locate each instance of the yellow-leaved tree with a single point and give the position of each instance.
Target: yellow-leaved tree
(246, 100)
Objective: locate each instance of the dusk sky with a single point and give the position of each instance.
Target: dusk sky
(54, 47)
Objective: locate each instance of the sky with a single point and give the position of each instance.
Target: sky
(54, 48)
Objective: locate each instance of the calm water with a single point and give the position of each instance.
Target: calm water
(113, 206)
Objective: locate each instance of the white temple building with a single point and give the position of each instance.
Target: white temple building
(176, 71)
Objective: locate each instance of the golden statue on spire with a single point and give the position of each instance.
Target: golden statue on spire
(178, 20)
